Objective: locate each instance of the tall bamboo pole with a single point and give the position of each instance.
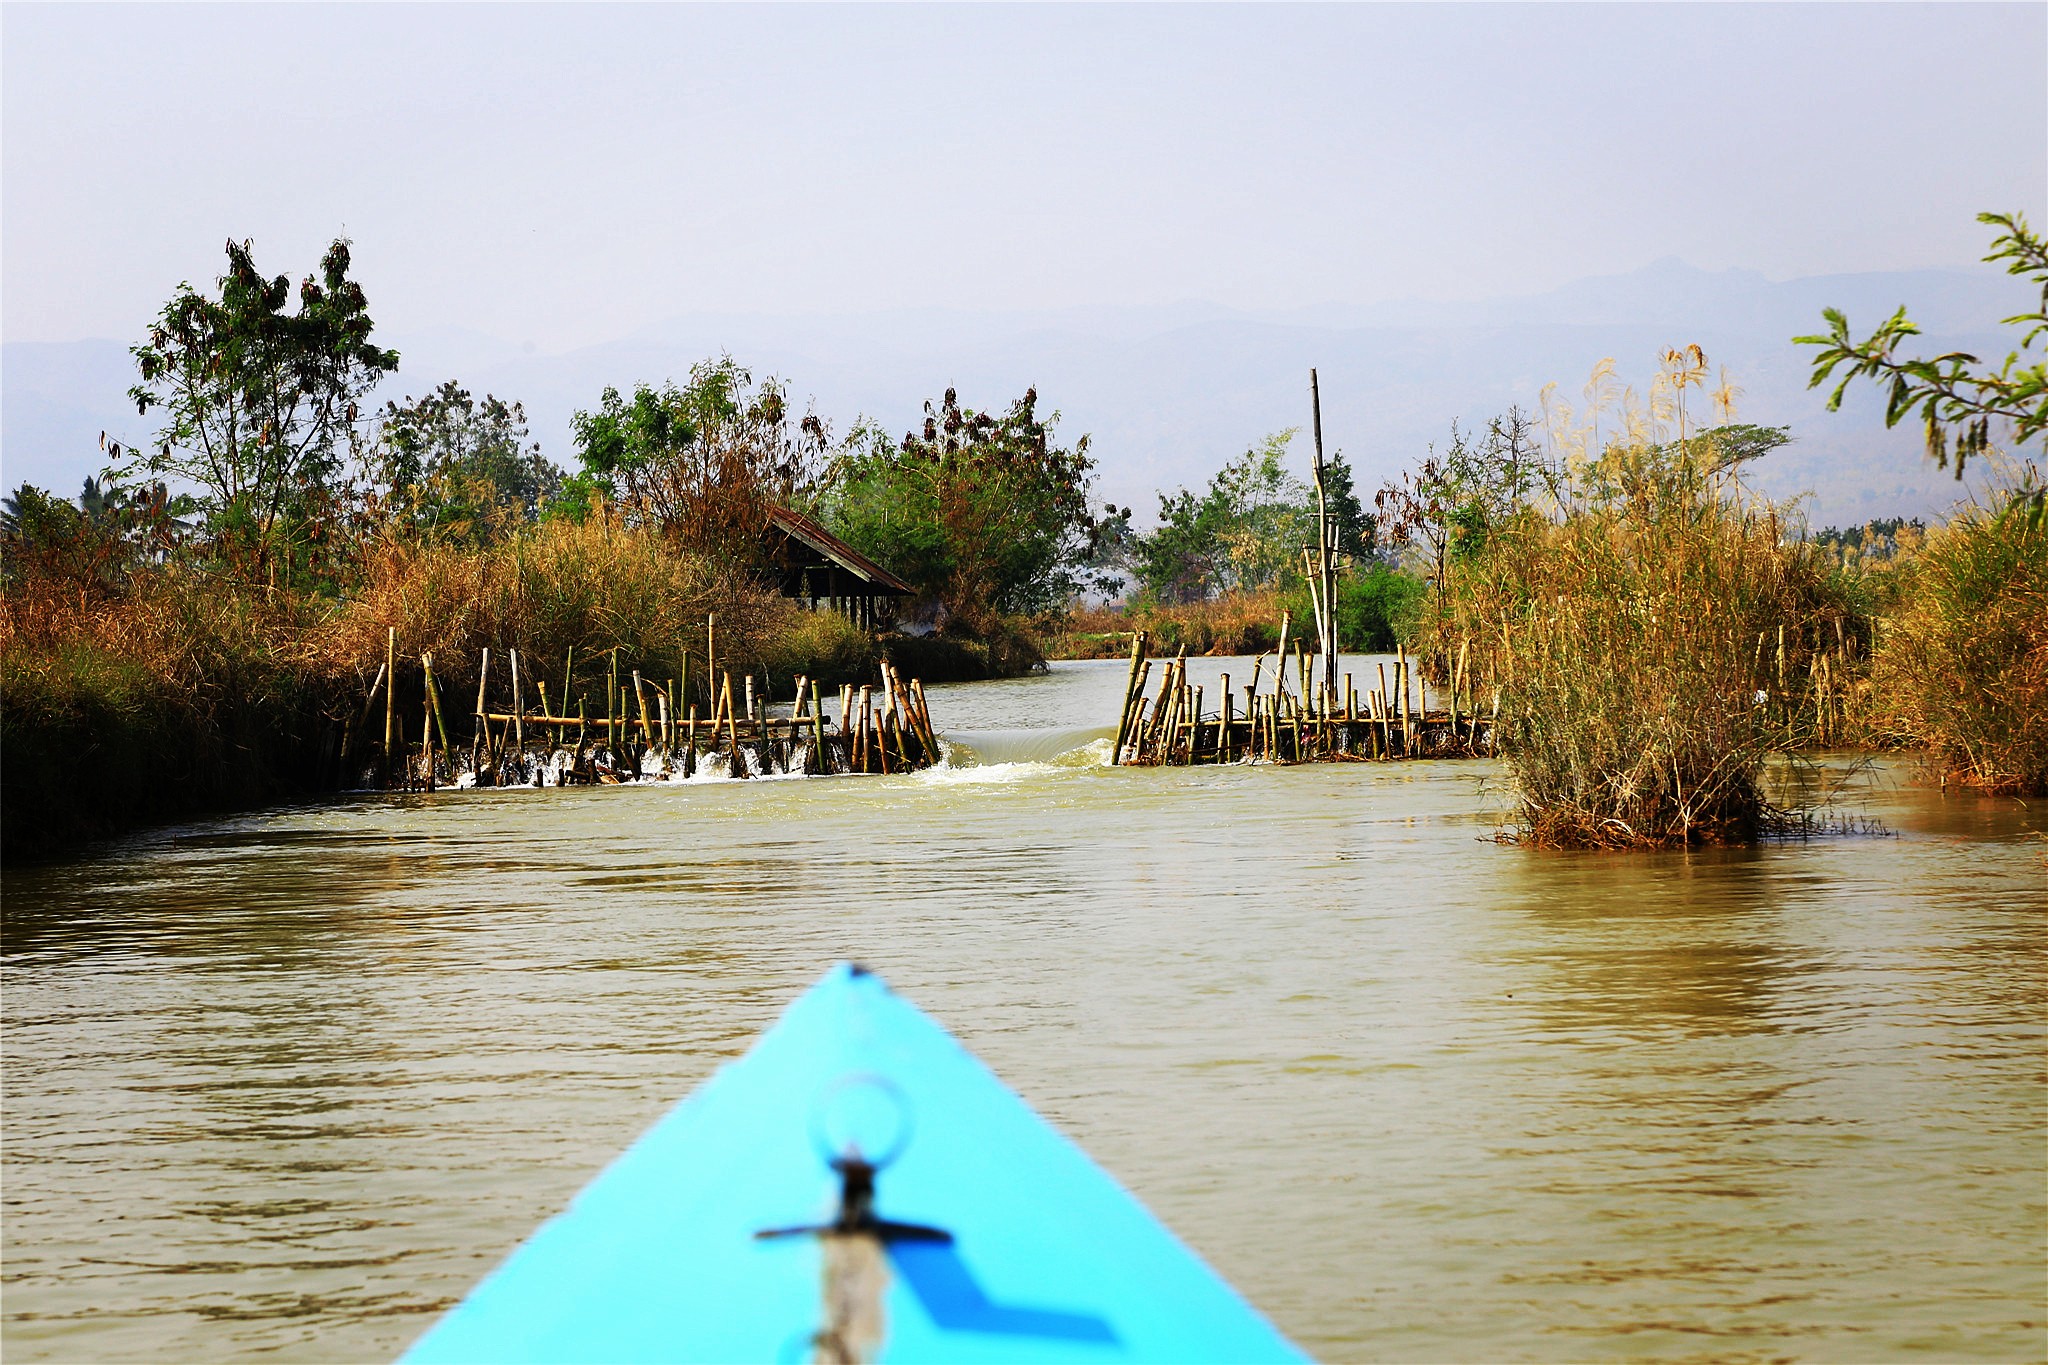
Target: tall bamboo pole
(711, 650)
(1123, 720)
(1326, 543)
(518, 711)
(1223, 723)
(390, 692)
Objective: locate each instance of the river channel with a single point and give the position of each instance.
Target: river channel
(282, 1086)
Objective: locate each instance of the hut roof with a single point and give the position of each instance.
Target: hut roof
(831, 548)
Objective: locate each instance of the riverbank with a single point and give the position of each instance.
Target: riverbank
(169, 692)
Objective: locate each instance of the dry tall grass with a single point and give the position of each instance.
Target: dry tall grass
(594, 586)
(1962, 663)
(1647, 644)
(174, 691)
(1235, 623)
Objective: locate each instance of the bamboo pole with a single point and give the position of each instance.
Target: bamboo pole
(426, 726)
(1223, 721)
(711, 651)
(480, 741)
(518, 712)
(390, 693)
(434, 700)
(1132, 727)
(1280, 656)
(1123, 719)
(568, 686)
(1407, 711)
(860, 739)
(821, 759)
(732, 734)
(1326, 543)
(924, 716)
(355, 723)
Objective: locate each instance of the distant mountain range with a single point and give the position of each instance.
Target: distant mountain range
(1169, 393)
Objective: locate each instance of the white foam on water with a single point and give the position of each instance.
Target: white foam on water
(1068, 748)
(983, 774)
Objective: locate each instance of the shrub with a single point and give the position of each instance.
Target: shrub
(173, 699)
(1649, 645)
(1377, 608)
(1962, 664)
(593, 586)
(1235, 623)
(820, 645)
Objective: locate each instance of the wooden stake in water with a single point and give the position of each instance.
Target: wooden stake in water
(711, 650)
(821, 759)
(1280, 656)
(1326, 544)
(1223, 722)
(518, 711)
(1123, 719)
(390, 695)
(426, 725)
(732, 733)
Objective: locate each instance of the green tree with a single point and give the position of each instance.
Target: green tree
(1183, 559)
(1268, 514)
(459, 470)
(986, 513)
(703, 463)
(1246, 531)
(1447, 506)
(1357, 529)
(258, 401)
(93, 542)
(1963, 405)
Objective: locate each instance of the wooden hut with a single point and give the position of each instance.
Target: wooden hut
(821, 570)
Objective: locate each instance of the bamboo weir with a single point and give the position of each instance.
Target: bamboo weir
(648, 730)
(1316, 720)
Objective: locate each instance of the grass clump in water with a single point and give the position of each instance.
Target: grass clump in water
(1643, 638)
(1962, 663)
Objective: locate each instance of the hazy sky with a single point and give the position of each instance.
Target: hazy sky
(565, 175)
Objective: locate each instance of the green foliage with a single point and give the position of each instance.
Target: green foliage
(1448, 506)
(1652, 643)
(704, 463)
(985, 514)
(1377, 605)
(460, 470)
(1881, 538)
(1962, 404)
(1183, 560)
(1962, 666)
(1737, 443)
(1247, 530)
(1357, 529)
(258, 402)
(92, 543)
(822, 646)
(183, 692)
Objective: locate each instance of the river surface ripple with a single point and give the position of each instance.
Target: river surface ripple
(284, 1086)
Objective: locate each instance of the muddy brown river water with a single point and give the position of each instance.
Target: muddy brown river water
(283, 1086)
